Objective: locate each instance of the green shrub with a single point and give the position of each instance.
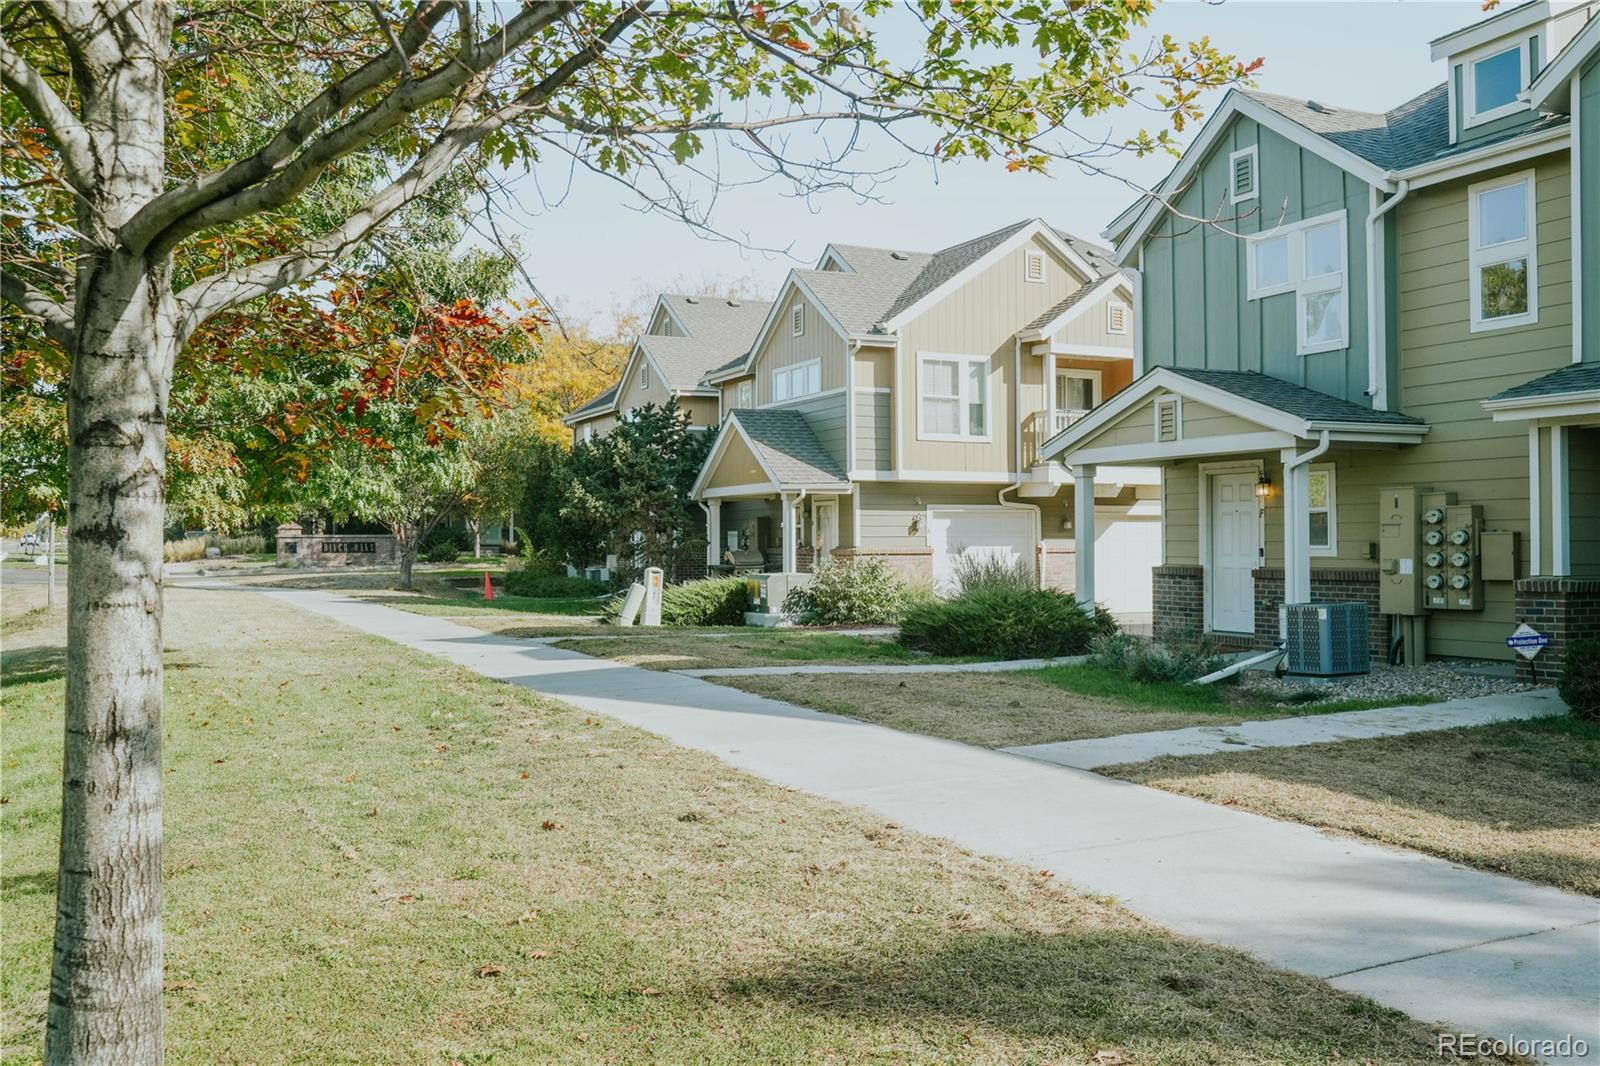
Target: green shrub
(1155, 663)
(850, 592)
(985, 570)
(540, 562)
(1580, 679)
(443, 543)
(715, 601)
(530, 583)
(1001, 622)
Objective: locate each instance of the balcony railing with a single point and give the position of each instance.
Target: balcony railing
(1039, 427)
(1063, 419)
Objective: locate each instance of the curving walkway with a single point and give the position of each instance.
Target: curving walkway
(1477, 952)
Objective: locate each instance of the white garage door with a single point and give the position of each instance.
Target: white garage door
(1125, 551)
(998, 532)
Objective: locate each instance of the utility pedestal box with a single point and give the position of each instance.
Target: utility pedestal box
(1399, 545)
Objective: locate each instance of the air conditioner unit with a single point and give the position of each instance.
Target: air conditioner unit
(1326, 639)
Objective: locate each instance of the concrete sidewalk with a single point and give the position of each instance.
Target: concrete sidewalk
(1473, 951)
(1296, 732)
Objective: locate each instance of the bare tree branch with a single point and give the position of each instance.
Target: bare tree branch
(56, 319)
(48, 109)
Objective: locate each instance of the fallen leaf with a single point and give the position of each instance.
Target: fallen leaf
(524, 775)
(1110, 1057)
(649, 991)
(582, 1038)
(395, 728)
(527, 917)
(548, 825)
(349, 778)
(536, 954)
(490, 969)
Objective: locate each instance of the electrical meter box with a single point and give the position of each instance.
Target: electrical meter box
(1435, 576)
(1464, 556)
(1399, 545)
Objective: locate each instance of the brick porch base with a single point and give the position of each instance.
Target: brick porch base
(1562, 608)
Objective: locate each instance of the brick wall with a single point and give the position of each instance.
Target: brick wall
(1563, 609)
(1327, 586)
(1178, 596)
(1061, 568)
(913, 564)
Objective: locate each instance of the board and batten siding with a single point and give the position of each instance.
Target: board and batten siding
(1196, 313)
(782, 348)
(980, 318)
(1589, 211)
(663, 325)
(1089, 328)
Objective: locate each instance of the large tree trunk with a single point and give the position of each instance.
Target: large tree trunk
(105, 982)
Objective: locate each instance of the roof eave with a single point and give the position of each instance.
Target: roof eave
(1541, 142)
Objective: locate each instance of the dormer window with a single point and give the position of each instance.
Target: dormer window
(1493, 83)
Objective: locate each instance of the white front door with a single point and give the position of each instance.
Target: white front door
(825, 529)
(1230, 588)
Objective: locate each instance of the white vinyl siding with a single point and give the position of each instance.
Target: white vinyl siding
(793, 382)
(1503, 267)
(952, 397)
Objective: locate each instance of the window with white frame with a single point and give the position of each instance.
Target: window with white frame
(1323, 505)
(1034, 267)
(1242, 167)
(1311, 259)
(1116, 317)
(793, 382)
(952, 397)
(797, 320)
(745, 394)
(1502, 257)
(1492, 83)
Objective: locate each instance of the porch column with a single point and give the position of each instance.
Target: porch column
(789, 563)
(1296, 529)
(713, 532)
(1049, 397)
(1560, 487)
(1083, 531)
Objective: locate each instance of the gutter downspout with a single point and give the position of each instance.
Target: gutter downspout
(1377, 331)
(1016, 421)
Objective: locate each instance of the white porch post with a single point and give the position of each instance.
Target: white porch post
(1560, 521)
(713, 532)
(1083, 530)
(1049, 397)
(789, 561)
(1296, 529)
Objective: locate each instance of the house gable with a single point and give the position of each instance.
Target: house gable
(778, 347)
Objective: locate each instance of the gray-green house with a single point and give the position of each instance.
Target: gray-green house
(1330, 303)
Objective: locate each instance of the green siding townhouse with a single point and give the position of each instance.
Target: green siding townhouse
(1359, 331)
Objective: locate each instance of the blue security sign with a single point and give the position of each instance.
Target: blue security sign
(1526, 641)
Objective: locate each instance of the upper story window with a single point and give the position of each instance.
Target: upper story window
(952, 397)
(1311, 259)
(586, 432)
(1492, 84)
(1242, 174)
(745, 394)
(1502, 253)
(793, 382)
(1322, 505)
(797, 320)
(1035, 267)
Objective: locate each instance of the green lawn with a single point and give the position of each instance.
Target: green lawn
(372, 856)
(1227, 699)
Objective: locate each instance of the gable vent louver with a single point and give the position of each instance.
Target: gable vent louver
(1242, 176)
(1033, 267)
(1166, 420)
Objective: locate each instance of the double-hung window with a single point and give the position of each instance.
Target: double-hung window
(1310, 259)
(793, 382)
(1323, 507)
(952, 397)
(1502, 260)
(745, 394)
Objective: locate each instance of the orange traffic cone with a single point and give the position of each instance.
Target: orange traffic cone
(488, 588)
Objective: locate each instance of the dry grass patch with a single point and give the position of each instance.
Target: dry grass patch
(676, 649)
(998, 710)
(373, 856)
(1521, 798)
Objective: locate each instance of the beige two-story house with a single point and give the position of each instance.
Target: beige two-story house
(893, 402)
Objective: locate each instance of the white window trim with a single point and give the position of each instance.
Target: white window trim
(797, 320)
(1176, 403)
(744, 394)
(1111, 318)
(1478, 258)
(1255, 175)
(644, 377)
(1092, 376)
(962, 378)
(1470, 116)
(789, 372)
(1332, 547)
(1303, 286)
(1030, 257)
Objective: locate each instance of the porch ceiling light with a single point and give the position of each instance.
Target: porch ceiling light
(1263, 486)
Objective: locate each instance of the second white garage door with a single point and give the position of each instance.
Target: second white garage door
(998, 532)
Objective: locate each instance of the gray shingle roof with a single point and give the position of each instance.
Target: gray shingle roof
(1296, 400)
(789, 447)
(948, 262)
(1579, 377)
(719, 322)
(1414, 133)
(599, 404)
(1077, 296)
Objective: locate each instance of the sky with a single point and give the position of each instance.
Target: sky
(592, 252)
